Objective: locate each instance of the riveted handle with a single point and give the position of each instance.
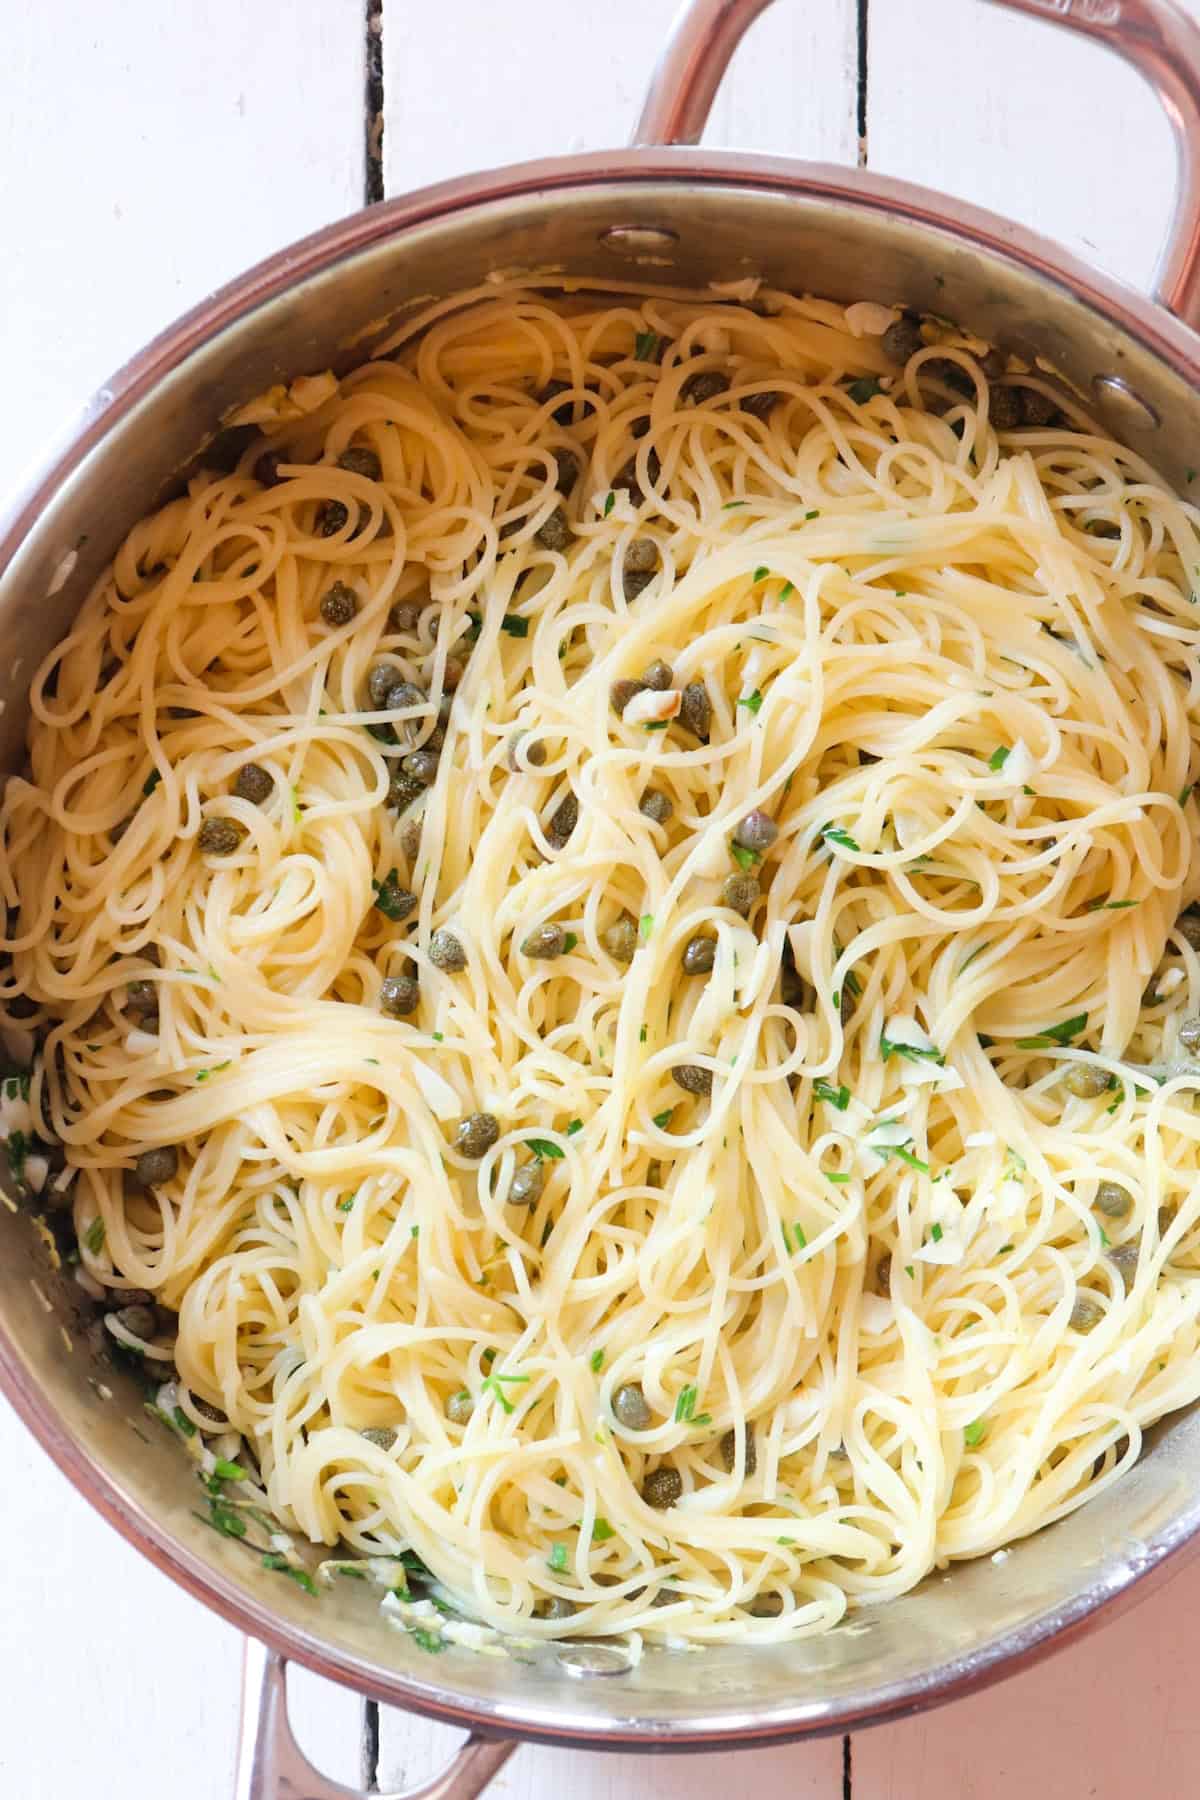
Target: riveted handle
(271, 1765)
(1157, 37)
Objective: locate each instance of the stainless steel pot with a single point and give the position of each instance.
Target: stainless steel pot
(654, 209)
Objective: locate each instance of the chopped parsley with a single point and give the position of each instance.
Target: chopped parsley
(1109, 905)
(492, 1384)
(545, 1150)
(346, 1204)
(610, 500)
(438, 1037)
(151, 782)
(229, 1471)
(975, 1432)
(645, 346)
(557, 1559)
(645, 926)
(745, 859)
(836, 834)
(935, 1234)
(17, 1148)
(835, 1175)
(908, 1270)
(998, 758)
(914, 1162)
(911, 1052)
(663, 1119)
(515, 625)
(93, 1237)
(597, 1361)
(602, 1531)
(430, 1641)
(812, 515)
(836, 1096)
(574, 1126)
(731, 504)
(761, 573)
(751, 702)
(570, 941)
(685, 1405)
(797, 1240)
(787, 590)
(1062, 1033)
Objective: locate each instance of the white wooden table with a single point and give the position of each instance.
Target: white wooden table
(149, 152)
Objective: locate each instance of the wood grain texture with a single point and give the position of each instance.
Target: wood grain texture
(151, 152)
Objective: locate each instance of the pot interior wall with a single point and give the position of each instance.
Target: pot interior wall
(805, 230)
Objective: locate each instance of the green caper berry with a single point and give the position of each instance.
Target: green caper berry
(382, 1436)
(766, 1606)
(695, 710)
(656, 806)
(544, 944)
(902, 339)
(157, 1165)
(1189, 1036)
(566, 471)
(1188, 927)
(739, 892)
(662, 1488)
(380, 682)
(527, 1183)
(703, 386)
(1124, 1259)
(555, 532)
(141, 999)
(339, 605)
(563, 821)
(1086, 1313)
(621, 940)
(254, 783)
(757, 831)
(622, 692)
(399, 995)
(363, 462)
(692, 1078)
(445, 952)
(555, 1606)
(459, 1407)
(728, 1450)
(699, 955)
(659, 676)
(1113, 1200)
(641, 556)
(331, 518)
(522, 749)
(762, 404)
(1004, 408)
(421, 766)
(1085, 1081)
(220, 836)
(631, 1408)
(476, 1134)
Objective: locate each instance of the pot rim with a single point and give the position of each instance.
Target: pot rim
(627, 172)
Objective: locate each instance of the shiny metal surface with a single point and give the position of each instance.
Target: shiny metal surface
(325, 302)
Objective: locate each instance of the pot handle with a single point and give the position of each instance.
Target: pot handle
(1160, 40)
(271, 1765)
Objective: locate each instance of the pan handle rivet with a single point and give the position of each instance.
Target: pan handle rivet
(1124, 404)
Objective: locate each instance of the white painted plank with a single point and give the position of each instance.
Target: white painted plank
(488, 87)
(1111, 1718)
(412, 1749)
(150, 153)
(1024, 117)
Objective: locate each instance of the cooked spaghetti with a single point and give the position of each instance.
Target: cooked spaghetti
(604, 921)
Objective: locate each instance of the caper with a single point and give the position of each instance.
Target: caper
(563, 821)
(524, 749)
(766, 1606)
(410, 839)
(455, 668)
(620, 940)
(656, 805)
(762, 404)
(141, 999)
(1189, 1036)
(361, 461)
(1167, 1215)
(703, 386)
(1004, 408)
(622, 692)
(566, 467)
(662, 1488)
(525, 1188)
(266, 469)
(695, 710)
(631, 1408)
(403, 789)
(339, 605)
(659, 676)
(399, 995)
(445, 952)
(403, 694)
(254, 783)
(380, 682)
(727, 1449)
(206, 1411)
(555, 1606)
(406, 615)
(1085, 1081)
(666, 1596)
(555, 532)
(382, 1436)
(1086, 1313)
(220, 836)
(902, 339)
(699, 955)
(739, 892)
(757, 831)
(544, 944)
(1124, 1259)
(883, 1274)
(1113, 1200)
(476, 1134)
(139, 1321)
(421, 766)
(562, 415)
(459, 1407)
(639, 568)
(1188, 927)
(157, 1165)
(1037, 408)
(627, 477)
(331, 518)
(692, 1078)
